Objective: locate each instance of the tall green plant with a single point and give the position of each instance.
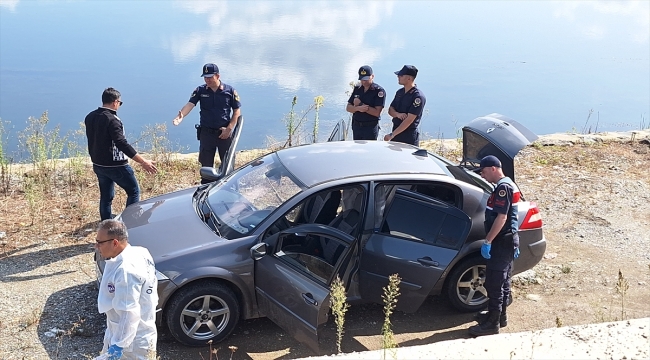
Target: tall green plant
(318, 103)
(339, 306)
(5, 163)
(44, 147)
(291, 123)
(391, 292)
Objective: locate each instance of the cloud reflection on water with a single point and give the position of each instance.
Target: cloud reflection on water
(599, 19)
(292, 44)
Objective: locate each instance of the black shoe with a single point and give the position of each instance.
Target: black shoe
(489, 327)
(481, 316)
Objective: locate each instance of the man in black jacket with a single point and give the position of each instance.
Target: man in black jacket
(109, 150)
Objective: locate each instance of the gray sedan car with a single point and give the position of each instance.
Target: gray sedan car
(267, 239)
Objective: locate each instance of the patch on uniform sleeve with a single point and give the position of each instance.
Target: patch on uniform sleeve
(417, 102)
(502, 193)
(380, 94)
(236, 95)
(193, 93)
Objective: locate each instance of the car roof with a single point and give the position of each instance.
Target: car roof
(323, 162)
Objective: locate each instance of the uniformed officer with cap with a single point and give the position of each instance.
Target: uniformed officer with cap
(501, 245)
(365, 104)
(406, 108)
(217, 123)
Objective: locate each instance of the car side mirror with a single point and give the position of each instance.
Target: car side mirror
(258, 251)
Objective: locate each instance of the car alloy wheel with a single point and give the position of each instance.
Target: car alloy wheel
(202, 312)
(465, 287)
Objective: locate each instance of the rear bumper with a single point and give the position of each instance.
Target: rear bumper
(532, 245)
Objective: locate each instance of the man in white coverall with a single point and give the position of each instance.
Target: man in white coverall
(127, 294)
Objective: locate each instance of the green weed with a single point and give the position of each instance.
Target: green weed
(622, 286)
(391, 292)
(339, 306)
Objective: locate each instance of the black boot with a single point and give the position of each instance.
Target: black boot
(481, 316)
(489, 327)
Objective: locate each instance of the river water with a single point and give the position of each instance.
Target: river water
(553, 66)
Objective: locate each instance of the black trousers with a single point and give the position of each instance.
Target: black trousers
(365, 131)
(498, 272)
(408, 136)
(209, 143)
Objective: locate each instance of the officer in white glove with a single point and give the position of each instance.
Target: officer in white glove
(127, 295)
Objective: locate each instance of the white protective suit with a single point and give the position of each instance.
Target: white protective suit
(128, 295)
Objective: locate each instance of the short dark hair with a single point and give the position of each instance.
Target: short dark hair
(110, 95)
(115, 229)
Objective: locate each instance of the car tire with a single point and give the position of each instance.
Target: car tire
(201, 312)
(465, 288)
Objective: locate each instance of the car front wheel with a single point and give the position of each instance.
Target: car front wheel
(202, 312)
(465, 286)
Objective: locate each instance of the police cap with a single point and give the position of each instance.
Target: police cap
(408, 70)
(364, 72)
(209, 70)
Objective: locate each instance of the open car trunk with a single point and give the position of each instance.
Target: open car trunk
(497, 135)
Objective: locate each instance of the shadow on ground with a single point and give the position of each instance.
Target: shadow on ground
(261, 338)
(12, 264)
(71, 327)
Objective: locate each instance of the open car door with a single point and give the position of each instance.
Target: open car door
(293, 272)
(228, 164)
(339, 133)
(496, 135)
(417, 240)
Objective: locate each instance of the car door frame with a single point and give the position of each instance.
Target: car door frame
(228, 164)
(272, 298)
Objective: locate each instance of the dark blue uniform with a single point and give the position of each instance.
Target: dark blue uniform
(411, 102)
(364, 125)
(215, 113)
(503, 200)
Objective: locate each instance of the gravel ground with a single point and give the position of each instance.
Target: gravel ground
(594, 198)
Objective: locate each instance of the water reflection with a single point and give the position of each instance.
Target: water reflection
(292, 44)
(600, 19)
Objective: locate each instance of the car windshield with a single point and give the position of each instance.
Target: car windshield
(249, 195)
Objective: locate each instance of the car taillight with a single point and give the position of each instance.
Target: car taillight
(533, 219)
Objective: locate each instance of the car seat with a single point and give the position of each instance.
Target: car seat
(321, 208)
(347, 221)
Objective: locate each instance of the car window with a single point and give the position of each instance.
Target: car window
(250, 194)
(340, 207)
(316, 255)
(421, 221)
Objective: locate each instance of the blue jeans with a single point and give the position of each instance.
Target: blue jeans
(124, 177)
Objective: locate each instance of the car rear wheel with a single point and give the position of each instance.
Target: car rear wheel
(202, 312)
(465, 286)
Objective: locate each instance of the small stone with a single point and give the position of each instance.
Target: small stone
(3, 234)
(642, 283)
(550, 256)
(533, 297)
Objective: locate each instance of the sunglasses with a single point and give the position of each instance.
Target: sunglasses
(103, 241)
(120, 101)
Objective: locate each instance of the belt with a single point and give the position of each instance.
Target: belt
(365, 123)
(211, 130)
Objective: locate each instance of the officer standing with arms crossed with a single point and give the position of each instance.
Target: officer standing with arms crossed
(127, 295)
(501, 245)
(406, 108)
(217, 124)
(365, 104)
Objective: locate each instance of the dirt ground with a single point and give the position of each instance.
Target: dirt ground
(594, 198)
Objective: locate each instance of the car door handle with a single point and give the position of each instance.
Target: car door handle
(309, 299)
(427, 261)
